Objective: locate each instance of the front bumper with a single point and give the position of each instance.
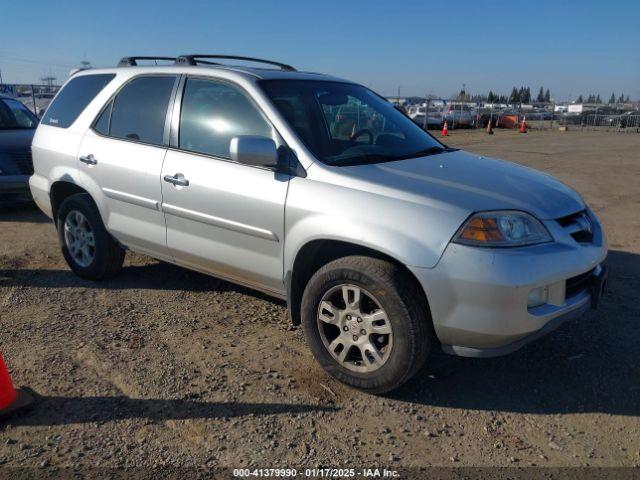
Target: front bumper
(14, 187)
(478, 297)
(14, 183)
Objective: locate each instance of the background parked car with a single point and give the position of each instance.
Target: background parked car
(630, 119)
(458, 116)
(435, 117)
(17, 126)
(434, 120)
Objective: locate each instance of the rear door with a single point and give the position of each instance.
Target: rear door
(123, 154)
(222, 217)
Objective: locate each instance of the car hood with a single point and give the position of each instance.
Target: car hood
(474, 183)
(16, 140)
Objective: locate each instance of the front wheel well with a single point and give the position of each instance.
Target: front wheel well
(59, 191)
(317, 253)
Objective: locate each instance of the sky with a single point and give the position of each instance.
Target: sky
(422, 47)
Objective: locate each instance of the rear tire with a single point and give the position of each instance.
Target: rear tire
(90, 251)
(382, 354)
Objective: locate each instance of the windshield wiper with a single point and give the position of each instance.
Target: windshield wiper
(426, 152)
(385, 157)
(361, 159)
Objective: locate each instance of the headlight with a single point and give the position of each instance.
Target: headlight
(506, 228)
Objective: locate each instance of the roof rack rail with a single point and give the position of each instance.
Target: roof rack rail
(196, 59)
(133, 61)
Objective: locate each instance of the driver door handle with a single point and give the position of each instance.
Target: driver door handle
(89, 159)
(178, 180)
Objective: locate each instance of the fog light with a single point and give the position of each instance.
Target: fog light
(538, 296)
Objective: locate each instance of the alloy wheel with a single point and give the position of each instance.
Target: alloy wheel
(79, 238)
(354, 328)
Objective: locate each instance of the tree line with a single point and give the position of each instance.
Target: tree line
(518, 95)
(596, 99)
(523, 95)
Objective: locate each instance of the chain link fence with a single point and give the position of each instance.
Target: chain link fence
(627, 122)
(33, 96)
(474, 116)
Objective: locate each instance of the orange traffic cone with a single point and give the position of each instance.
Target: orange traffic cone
(11, 399)
(445, 129)
(523, 125)
(490, 126)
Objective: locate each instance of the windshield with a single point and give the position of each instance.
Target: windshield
(347, 124)
(14, 115)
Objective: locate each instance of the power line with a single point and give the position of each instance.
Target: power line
(36, 61)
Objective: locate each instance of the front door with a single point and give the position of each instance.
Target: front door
(223, 217)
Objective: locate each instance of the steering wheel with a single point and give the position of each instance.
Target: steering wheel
(354, 136)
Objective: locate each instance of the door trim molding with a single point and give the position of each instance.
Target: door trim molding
(129, 198)
(220, 222)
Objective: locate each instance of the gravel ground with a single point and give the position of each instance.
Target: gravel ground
(165, 367)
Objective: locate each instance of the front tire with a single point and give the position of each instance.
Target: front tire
(90, 251)
(366, 322)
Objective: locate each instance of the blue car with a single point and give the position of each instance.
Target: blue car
(17, 126)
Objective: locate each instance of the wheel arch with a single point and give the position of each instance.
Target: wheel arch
(59, 191)
(69, 181)
(318, 252)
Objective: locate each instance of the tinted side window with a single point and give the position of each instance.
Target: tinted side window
(139, 110)
(213, 113)
(73, 99)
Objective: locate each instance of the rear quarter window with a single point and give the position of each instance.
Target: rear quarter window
(74, 98)
(139, 110)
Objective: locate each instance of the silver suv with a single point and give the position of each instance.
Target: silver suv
(385, 242)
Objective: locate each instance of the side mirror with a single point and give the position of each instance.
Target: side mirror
(254, 150)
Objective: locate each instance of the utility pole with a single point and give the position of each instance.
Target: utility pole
(491, 116)
(49, 80)
(426, 112)
(33, 99)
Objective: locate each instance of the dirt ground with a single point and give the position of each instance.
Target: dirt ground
(165, 367)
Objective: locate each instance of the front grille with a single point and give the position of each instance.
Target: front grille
(23, 162)
(579, 225)
(577, 284)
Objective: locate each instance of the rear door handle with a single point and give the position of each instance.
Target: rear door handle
(178, 180)
(89, 159)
